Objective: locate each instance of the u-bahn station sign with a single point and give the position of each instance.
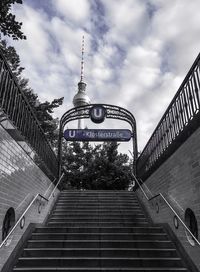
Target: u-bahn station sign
(98, 135)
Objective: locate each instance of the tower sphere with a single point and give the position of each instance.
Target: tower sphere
(81, 98)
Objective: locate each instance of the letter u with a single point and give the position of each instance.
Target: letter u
(72, 133)
(98, 113)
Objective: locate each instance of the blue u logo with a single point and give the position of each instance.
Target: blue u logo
(72, 133)
(98, 112)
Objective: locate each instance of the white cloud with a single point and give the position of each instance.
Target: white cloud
(126, 20)
(76, 11)
(139, 61)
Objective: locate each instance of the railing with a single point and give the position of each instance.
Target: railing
(169, 206)
(16, 106)
(178, 122)
(27, 209)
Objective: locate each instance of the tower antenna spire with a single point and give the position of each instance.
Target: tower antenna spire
(81, 98)
(82, 58)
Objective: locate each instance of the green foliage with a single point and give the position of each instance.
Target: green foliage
(8, 24)
(98, 167)
(12, 58)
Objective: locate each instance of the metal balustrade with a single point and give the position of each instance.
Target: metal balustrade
(17, 108)
(178, 122)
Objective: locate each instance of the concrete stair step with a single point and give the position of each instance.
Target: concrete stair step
(97, 217)
(97, 200)
(100, 236)
(146, 229)
(98, 213)
(94, 209)
(100, 269)
(100, 252)
(96, 224)
(99, 262)
(100, 243)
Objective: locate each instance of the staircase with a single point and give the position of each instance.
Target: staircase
(99, 231)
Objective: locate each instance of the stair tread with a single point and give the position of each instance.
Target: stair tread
(102, 269)
(99, 233)
(101, 249)
(99, 258)
(85, 240)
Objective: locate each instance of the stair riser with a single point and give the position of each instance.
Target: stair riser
(102, 270)
(100, 216)
(94, 219)
(99, 253)
(96, 262)
(100, 230)
(97, 219)
(97, 236)
(97, 244)
(112, 203)
(97, 212)
(96, 224)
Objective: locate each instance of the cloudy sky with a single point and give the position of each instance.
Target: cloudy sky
(137, 52)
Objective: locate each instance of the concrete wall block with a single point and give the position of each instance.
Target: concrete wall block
(178, 178)
(20, 180)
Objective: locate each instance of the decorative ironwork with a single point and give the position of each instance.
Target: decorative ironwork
(178, 122)
(83, 112)
(18, 110)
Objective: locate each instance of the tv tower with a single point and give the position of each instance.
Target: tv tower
(81, 98)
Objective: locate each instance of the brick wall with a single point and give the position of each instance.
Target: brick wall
(178, 178)
(20, 180)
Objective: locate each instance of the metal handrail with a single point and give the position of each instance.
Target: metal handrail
(38, 195)
(168, 204)
(180, 119)
(15, 105)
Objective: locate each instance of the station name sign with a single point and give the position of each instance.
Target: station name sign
(120, 135)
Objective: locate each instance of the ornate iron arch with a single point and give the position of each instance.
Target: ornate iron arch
(83, 112)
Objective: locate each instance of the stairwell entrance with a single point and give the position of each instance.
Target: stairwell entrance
(98, 113)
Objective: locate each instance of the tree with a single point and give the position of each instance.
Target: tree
(98, 167)
(43, 111)
(8, 24)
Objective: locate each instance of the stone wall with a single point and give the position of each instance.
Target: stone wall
(178, 179)
(20, 180)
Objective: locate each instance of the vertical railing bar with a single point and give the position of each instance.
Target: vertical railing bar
(6, 94)
(187, 93)
(191, 98)
(186, 107)
(184, 114)
(198, 84)
(4, 85)
(16, 107)
(174, 120)
(194, 94)
(179, 114)
(10, 102)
